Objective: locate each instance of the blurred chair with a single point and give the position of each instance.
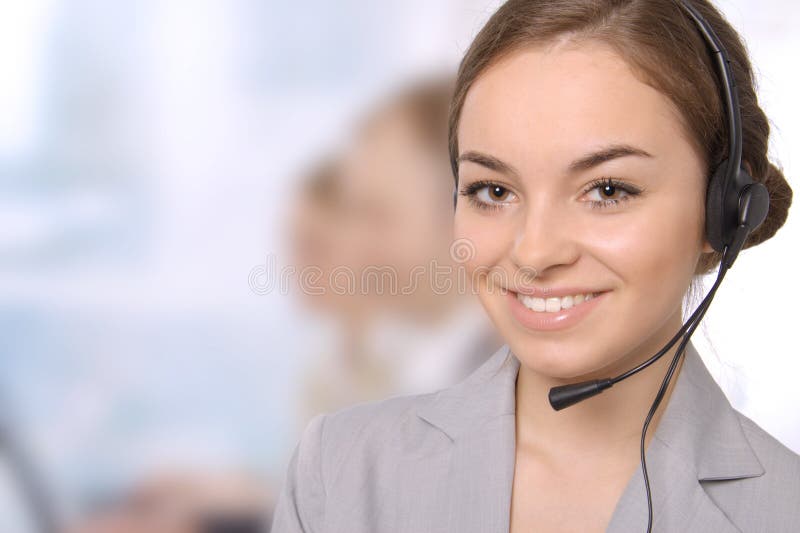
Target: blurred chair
(187, 502)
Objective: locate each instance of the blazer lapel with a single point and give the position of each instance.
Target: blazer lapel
(698, 440)
(477, 415)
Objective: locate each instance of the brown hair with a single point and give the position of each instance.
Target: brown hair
(664, 48)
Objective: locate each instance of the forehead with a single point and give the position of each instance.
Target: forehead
(543, 105)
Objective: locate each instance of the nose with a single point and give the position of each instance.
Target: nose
(547, 237)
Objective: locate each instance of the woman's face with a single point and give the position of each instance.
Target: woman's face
(547, 129)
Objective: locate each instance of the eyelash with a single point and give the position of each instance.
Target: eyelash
(629, 190)
(471, 190)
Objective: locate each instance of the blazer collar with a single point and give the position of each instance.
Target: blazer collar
(698, 422)
(489, 392)
(699, 438)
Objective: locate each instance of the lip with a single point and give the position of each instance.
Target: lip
(558, 292)
(542, 321)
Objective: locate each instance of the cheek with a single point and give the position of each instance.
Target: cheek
(677, 241)
(655, 254)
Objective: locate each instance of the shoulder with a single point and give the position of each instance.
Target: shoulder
(398, 414)
(781, 464)
(378, 444)
(771, 501)
(764, 441)
(367, 423)
(338, 451)
(333, 434)
(374, 415)
(339, 448)
(356, 437)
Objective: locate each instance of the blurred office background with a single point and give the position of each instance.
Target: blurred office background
(151, 154)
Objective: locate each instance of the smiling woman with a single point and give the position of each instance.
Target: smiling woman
(639, 254)
(585, 138)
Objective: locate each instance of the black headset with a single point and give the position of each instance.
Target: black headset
(735, 203)
(735, 206)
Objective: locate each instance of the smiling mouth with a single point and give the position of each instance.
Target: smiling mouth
(554, 305)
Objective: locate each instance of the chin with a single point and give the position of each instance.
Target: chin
(561, 360)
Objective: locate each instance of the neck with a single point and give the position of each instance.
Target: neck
(606, 425)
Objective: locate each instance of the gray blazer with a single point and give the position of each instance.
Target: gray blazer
(444, 462)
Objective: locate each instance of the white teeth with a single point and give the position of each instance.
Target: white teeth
(553, 305)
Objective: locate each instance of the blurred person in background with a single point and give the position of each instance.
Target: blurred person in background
(372, 221)
(404, 333)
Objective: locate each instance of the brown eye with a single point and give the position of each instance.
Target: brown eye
(488, 195)
(608, 191)
(493, 194)
(498, 193)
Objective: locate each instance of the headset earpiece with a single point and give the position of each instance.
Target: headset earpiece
(753, 206)
(715, 212)
(732, 214)
(752, 211)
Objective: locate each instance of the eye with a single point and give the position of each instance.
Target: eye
(493, 193)
(487, 194)
(608, 192)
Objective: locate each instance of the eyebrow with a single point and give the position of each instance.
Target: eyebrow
(608, 153)
(586, 162)
(488, 161)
